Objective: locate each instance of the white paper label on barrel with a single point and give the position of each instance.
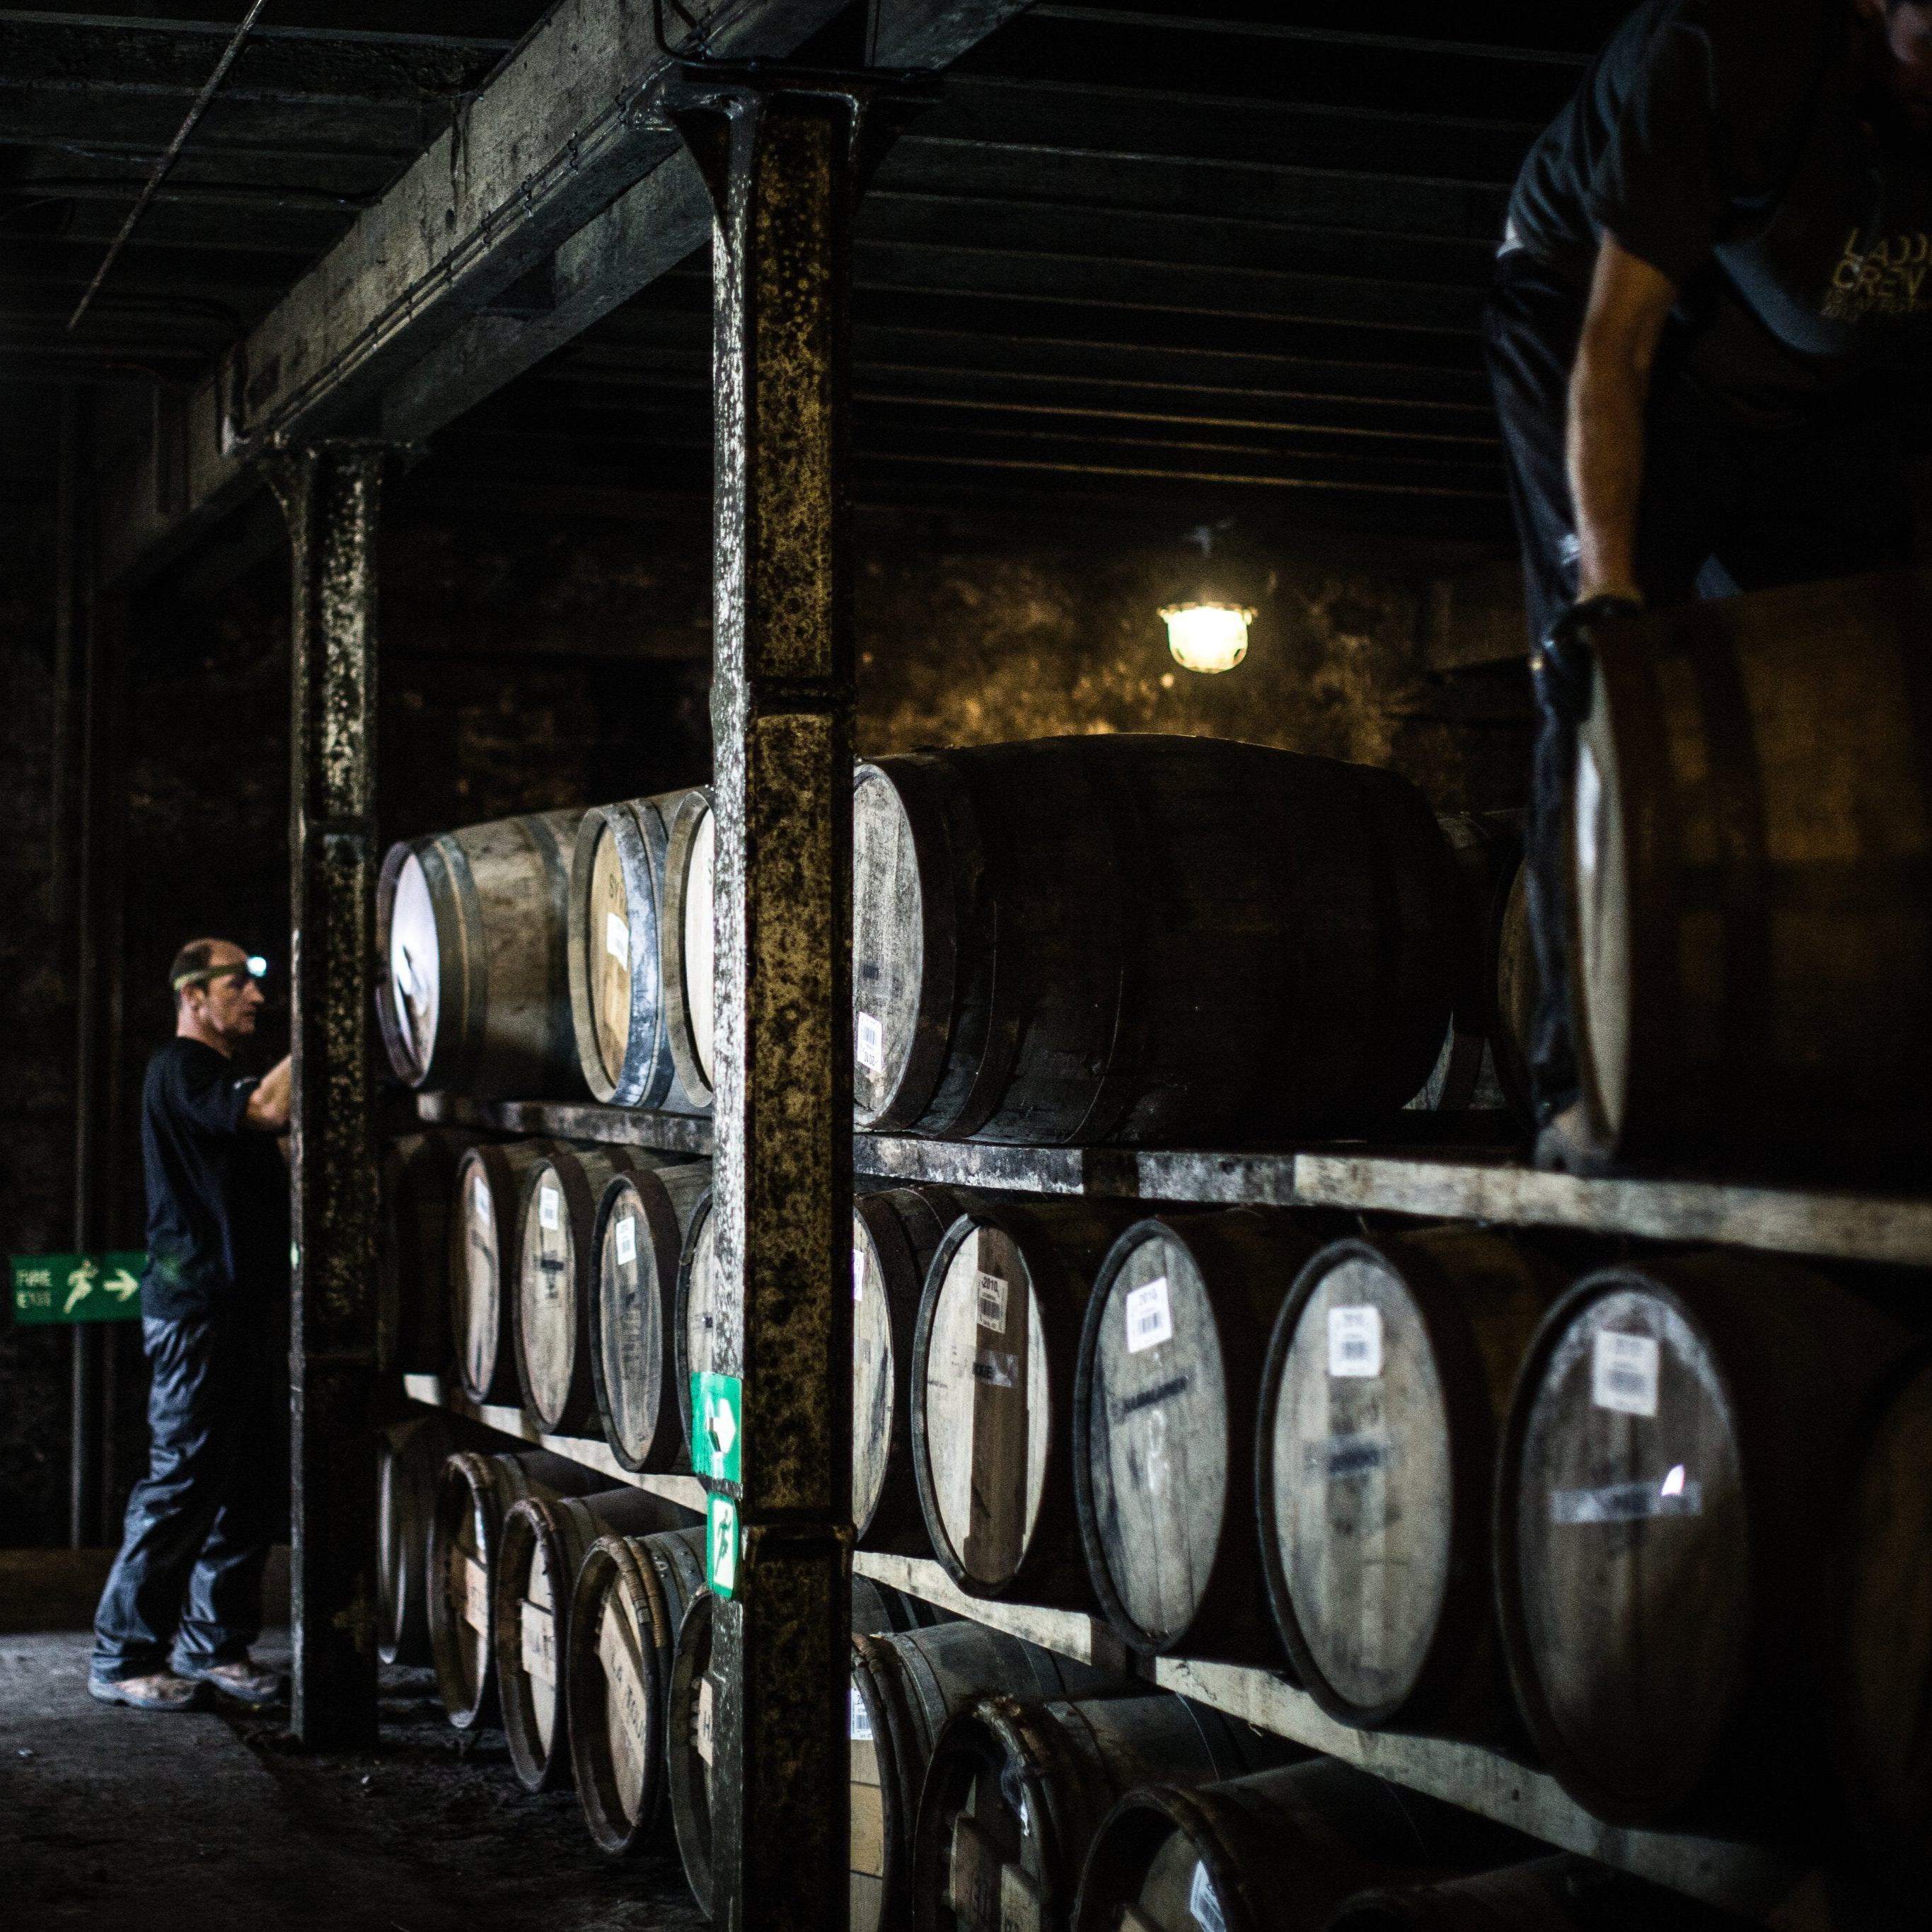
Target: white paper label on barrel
(479, 1199)
(993, 1303)
(861, 1732)
(1623, 1372)
(475, 1595)
(858, 1274)
(1355, 1341)
(616, 938)
(627, 1241)
(705, 1708)
(539, 1643)
(1149, 1321)
(547, 1202)
(870, 1046)
(1202, 1903)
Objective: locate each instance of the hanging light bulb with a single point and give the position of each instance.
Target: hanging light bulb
(1206, 637)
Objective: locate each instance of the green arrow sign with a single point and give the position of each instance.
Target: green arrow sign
(78, 1288)
(717, 1411)
(721, 1547)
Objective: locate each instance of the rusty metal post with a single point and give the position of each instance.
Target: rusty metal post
(330, 495)
(786, 155)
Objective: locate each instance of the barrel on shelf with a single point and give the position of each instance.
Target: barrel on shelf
(895, 1233)
(1672, 1477)
(994, 1357)
(618, 953)
(418, 1176)
(474, 1494)
(707, 1337)
(1546, 1894)
(1518, 987)
(473, 992)
(556, 1226)
(635, 1247)
(690, 994)
(1197, 941)
(1164, 1410)
(409, 1457)
(904, 1688)
(1016, 1794)
(627, 1607)
(484, 1255)
(539, 1554)
(1275, 1852)
(876, 1612)
(1751, 874)
(1383, 1400)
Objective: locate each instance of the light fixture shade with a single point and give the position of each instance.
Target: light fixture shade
(1207, 637)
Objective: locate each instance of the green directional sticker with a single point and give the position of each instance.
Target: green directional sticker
(78, 1288)
(717, 1411)
(721, 1547)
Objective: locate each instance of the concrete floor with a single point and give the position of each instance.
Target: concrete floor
(205, 1822)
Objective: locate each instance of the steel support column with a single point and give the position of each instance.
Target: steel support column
(330, 495)
(785, 156)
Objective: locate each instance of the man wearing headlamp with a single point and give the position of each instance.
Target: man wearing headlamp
(1711, 303)
(184, 1601)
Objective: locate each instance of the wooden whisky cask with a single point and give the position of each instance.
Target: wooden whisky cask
(473, 991)
(708, 1338)
(895, 1233)
(617, 953)
(1016, 1794)
(1519, 987)
(1752, 968)
(1545, 1894)
(994, 1357)
(419, 1178)
(1671, 1479)
(1276, 1852)
(484, 1252)
(627, 1608)
(1197, 941)
(1383, 1398)
(634, 1248)
(474, 1494)
(876, 1611)
(409, 1457)
(557, 1227)
(1164, 1410)
(904, 1688)
(539, 1551)
(690, 944)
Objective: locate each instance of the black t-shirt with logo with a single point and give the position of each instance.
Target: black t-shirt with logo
(217, 1189)
(1727, 143)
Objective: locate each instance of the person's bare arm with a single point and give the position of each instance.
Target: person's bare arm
(268, 1105)
(1629, 301)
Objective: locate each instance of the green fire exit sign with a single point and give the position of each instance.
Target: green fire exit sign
(78, 1288)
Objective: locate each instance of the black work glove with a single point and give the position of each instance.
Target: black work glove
(1564, 664)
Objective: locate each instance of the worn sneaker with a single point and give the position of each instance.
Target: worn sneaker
(244, 1680)
(156, 1691)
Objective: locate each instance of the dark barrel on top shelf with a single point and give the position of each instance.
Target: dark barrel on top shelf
(617, 953)
(895, 1233)
(1196, 941)
(635, 1249)
(904, 1689)
(1518, 986)
(1752, 971)
(1547, 1894)
(539, 1554)
(473, 992)
(707, 1337)
(418, 1176)
(556, 1226)
(1275, 1852)
(1016, 1793)
(695, 1692)
(474, 1493)
(409, 1457)
(1164, 1427)
(627, 1608)
(1383, 1398)
(689, 941)
(1671, 1481)
(484, 1252)
(994, 1360)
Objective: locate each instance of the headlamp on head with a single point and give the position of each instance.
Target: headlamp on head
(253, 968)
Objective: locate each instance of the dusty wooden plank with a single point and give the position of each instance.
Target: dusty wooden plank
(615, 1127)
(1070, 1632)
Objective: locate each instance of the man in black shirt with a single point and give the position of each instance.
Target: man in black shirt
(213, 1304)
(1713, 283)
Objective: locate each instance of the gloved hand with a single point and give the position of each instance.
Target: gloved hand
(1564, 664)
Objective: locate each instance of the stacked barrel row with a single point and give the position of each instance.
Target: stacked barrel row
(1197, 941)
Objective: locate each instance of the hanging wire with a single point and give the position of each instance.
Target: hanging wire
(167, 160)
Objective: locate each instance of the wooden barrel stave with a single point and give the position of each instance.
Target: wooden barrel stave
(1518, 988)
(633, 1318)
(409, 1457)
(706, 1336)
(1164, 1410)
(484, 1235)
(994, 1359)
(473, 989)
(689, 967)
(1112, 869)
(418, 1177)
(1375, 1477)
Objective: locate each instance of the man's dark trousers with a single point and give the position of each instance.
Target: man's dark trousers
(199, 1523)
